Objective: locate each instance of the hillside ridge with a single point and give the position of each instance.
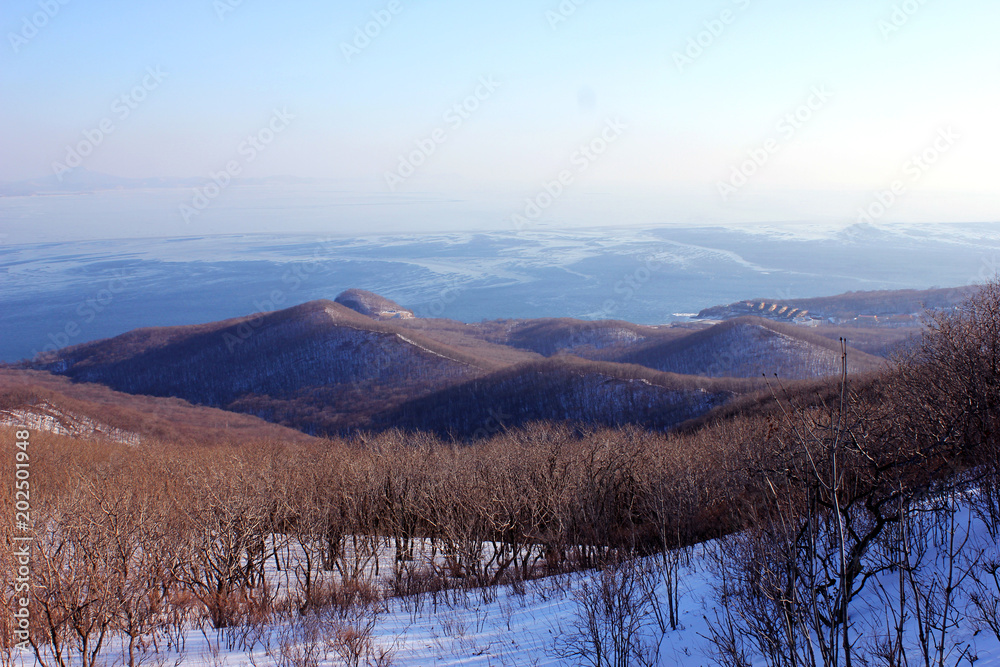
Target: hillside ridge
(329, 367)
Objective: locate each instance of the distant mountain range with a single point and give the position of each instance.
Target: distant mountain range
(82, 180)
(363, 362)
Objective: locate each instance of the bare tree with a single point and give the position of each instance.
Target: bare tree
(937, 573)
(77, 591)
(224, 529)
(609, 628)
(136, 526)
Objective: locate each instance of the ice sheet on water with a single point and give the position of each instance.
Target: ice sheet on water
(642, 275)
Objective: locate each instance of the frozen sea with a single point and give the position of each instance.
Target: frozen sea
(59, 293)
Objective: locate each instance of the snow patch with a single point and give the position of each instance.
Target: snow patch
(47, 417)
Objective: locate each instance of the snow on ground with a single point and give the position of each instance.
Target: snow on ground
(522, 626)
(522, 629)
(47, 417)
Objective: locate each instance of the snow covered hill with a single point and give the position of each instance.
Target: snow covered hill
(751, 347)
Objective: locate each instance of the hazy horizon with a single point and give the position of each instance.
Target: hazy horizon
(549, 113)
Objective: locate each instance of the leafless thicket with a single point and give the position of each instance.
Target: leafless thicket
(135, 545)
(864, 492)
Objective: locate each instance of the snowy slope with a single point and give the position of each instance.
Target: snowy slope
(533, 624)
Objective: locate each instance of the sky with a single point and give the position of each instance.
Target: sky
(519, 112)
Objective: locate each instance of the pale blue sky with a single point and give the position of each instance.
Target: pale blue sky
(686, 128)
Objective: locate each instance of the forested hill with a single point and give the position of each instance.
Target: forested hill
(363, 362)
